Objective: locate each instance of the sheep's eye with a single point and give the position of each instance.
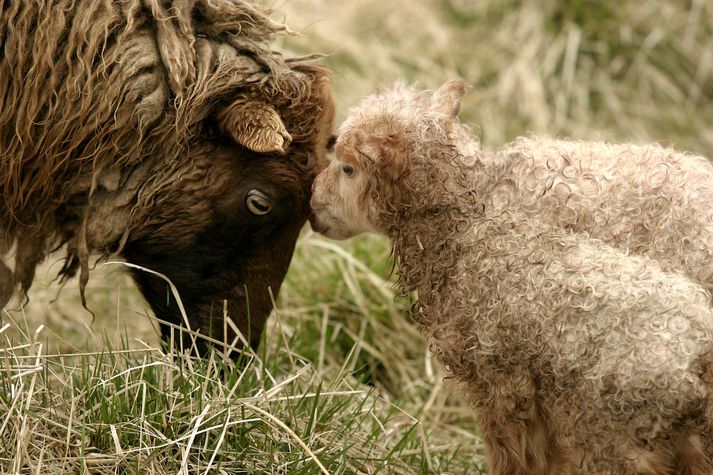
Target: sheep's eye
(258, 203)
(331, 142)
(348, 170)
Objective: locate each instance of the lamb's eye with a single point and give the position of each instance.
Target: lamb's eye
(348, 170)
(258, 203)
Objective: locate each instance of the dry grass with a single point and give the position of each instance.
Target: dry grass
(343, 380)
(638, 71)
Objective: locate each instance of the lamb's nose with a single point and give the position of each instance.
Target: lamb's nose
(314, 183)
(314, 205)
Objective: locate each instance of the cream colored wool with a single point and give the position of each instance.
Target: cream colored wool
(645, 199)
(574, 350)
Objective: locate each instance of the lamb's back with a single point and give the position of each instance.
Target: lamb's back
(646, 199)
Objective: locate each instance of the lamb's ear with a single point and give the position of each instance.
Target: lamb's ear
(446, 100)
(392, 155)
(254, 125)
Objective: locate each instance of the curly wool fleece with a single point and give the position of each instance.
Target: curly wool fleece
(574, 351)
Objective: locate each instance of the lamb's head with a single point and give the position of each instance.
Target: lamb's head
(386, 153)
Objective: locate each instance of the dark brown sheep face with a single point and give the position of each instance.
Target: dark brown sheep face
(186, 146)
(224, 235)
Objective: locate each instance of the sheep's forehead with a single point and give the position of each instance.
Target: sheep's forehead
(356, 131)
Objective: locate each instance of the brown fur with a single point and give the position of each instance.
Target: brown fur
(574, 352)
(109, 111)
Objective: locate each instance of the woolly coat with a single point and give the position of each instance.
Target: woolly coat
(605, 348)
(131, 127)
(108, 85)
(645, 199)
(575, 350)
(550, 330)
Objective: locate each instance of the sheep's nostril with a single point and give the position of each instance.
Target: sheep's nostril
(313, 220)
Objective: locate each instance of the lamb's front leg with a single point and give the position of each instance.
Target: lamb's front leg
(518, 438)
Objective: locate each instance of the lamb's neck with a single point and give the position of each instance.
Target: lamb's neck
(427, 246)
(429, 232)
(488, 170)
(486, 167)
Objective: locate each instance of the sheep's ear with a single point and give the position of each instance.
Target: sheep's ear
(392, 156)
(254, 125)
(446, 100)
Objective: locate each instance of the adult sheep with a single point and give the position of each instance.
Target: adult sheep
(167, 133)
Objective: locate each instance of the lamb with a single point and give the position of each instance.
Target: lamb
(573, 351)
(645, 199)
